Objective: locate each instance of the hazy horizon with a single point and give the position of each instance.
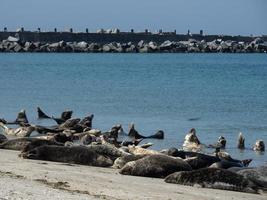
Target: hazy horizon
(239, 17)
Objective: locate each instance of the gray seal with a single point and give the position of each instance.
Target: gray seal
(74, 154)
(158, 166)
(213, 178)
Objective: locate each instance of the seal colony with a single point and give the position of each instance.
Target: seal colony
(73, 140)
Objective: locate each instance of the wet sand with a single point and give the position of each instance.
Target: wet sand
(33, 179)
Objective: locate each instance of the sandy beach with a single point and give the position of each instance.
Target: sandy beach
(33, 179)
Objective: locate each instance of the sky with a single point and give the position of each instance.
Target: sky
(231, 17)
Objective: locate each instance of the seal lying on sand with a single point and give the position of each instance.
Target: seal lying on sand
(213, 178)
(194, 159)
(136, 150)
(20, 143)
(107, 150)
(121, 161)
(225, 164)
(24, 131)
(257, 175)
(158, 166)
(259, 146)
(226, 161)
(75, 154)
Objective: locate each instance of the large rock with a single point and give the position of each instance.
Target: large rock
(213, 178)
(18, 48)
(29, 47)
(12, 39)
(167, 45)
(153, 46)
(155, 166)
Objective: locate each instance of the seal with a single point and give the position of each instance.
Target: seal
(213, 178)
(24, 131)
(225, 164)
(158, 166)
(136, 150)
(241, 141)
(22, 117)
(121, 161)
(107, 150)
(87, 122)
(19, 144)
(257, 175)
(191, 141)
(158, 135)
(221, 143)
(74, 154)
(259, 146)
(134, 134)
(64, 117)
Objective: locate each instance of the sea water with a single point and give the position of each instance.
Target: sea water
(218, 94)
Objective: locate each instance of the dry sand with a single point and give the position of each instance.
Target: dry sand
(32, 179)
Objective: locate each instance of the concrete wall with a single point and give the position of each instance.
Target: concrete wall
(107, 38)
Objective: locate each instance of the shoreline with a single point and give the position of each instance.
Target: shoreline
(31, 179)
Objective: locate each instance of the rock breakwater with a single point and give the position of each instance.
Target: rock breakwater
(12, 44)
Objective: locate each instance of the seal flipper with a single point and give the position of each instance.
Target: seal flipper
(41, 114)
(58, 120)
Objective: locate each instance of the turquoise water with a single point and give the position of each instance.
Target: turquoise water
(224, 93)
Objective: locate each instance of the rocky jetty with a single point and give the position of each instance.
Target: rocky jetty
(13, 44)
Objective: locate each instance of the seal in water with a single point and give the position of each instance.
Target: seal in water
(191, 141)
(134, 134)
(158, 166)
(64, 117)
(241, 141)
(74, 154)
(22, 118)
(221, 143)
(259, 146)
(213, 178)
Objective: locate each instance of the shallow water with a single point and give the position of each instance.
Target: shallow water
(218, 94)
